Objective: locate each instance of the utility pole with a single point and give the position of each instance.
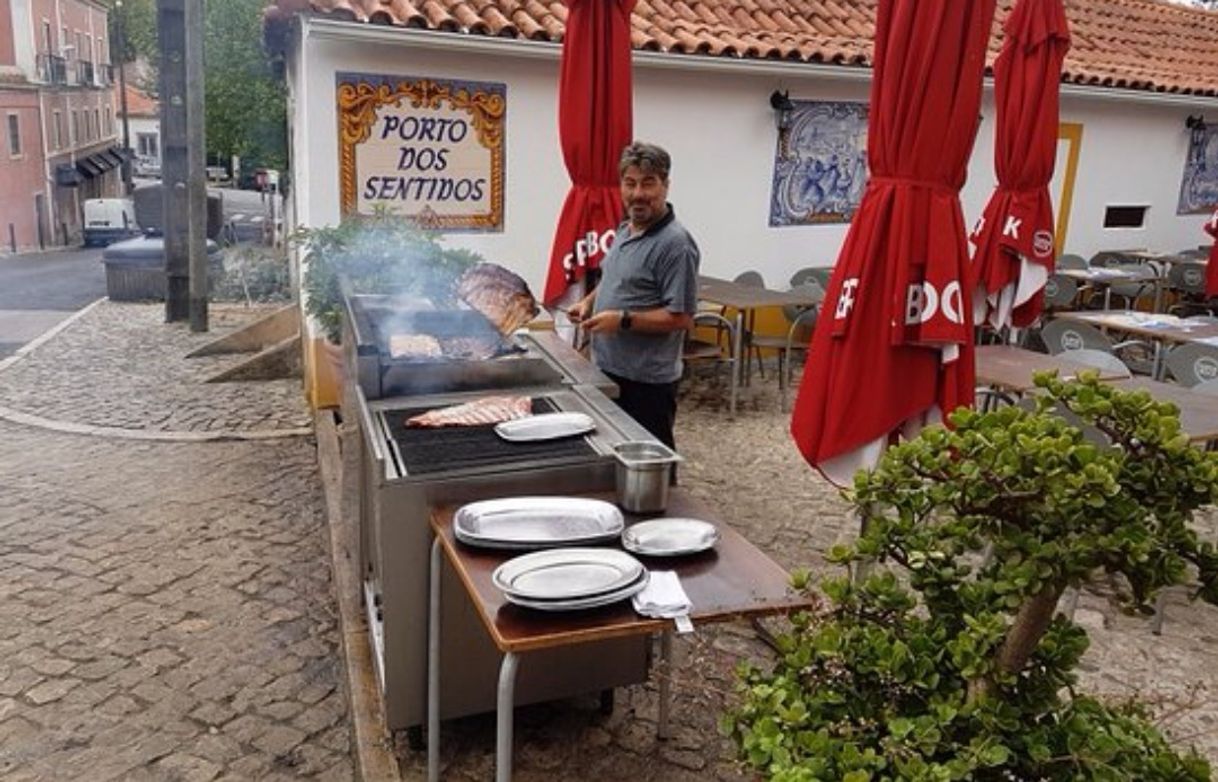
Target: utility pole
(180, 24)
(121, 29)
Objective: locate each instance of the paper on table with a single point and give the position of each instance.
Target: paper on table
(1207, 340)
(663, 597)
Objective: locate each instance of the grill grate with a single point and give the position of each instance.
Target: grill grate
(427, 450)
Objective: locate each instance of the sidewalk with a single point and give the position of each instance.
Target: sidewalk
(166, 610)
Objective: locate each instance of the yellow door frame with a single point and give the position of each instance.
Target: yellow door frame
(1072, 133)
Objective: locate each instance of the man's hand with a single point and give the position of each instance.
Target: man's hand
(579, 311)
(605, 322)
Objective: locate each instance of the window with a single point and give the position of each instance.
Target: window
(97, 123)
(88, 126)
(14, 135)
(87, 52)
(146, 145)
(76, 127)
(109, 122)
(58, 130)
(64, 40)
(48, 45)
(1125, 216)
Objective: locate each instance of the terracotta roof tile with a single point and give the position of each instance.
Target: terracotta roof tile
(1135, 44)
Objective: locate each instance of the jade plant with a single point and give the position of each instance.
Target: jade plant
(378, 253)
(949, 661)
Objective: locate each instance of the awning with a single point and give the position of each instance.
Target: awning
(112, 158)
(89, 167)
(66, 175)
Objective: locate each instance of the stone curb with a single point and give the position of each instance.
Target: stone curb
(371, 745)
(119, 433)
(49, 334)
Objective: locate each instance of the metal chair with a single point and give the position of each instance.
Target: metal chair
(750, 279)
(1100, 359)
(817, 274)
(696, 349)
(1070, 261)
(1061, 335)
(1192, 363)
(800, 320)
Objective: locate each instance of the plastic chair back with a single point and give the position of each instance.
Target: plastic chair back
(1060, 336)
(1099, 359)
(1060, 292)
(751, 279)
(1187, 278)
(1071, 261)
(1209, 387)
(1192, 364)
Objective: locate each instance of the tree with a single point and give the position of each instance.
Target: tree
(245, 105)
(959, 669)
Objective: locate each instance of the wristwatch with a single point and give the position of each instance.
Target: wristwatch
(627, 320)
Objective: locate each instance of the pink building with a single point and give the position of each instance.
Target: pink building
(57, 100)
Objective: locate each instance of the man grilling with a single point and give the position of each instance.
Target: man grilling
(648, 292)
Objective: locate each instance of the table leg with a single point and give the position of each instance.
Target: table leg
(503, 717)
(666, 672)
(737, 364)
(433, 667)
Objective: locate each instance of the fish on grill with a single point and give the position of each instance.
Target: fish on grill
(471, 348)
(480, 412)
(419, 346)
(499, 294)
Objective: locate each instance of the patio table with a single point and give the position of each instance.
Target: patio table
(1158, 328)
(734, 580)
(746, 301)
(1010, 368)
(1106, 277)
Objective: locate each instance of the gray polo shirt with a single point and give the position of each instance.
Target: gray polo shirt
(657, 268)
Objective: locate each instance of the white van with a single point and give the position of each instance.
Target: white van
(108, 220)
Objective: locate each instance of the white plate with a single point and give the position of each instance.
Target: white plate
(578, 603)
(536, 522)
(545, 426)
(670, 537)
(566, 574)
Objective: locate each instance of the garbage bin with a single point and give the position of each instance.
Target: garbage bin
(135, 268)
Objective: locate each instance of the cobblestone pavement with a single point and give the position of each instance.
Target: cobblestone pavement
(165, 611)
(748, 469)
(121, 366)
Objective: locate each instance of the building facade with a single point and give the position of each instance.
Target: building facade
(57, 98)
(144, 128)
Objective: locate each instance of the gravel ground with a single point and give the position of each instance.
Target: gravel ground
(749, 470)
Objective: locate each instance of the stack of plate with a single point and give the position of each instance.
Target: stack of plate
(670, 537)
(537, 522)
(570, 579)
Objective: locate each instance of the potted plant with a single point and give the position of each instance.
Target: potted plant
(960, 668)
(381, 253)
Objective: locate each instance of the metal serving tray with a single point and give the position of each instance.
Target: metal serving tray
(579, 603)
(547, 426)
(567, 574)
(537, 522)
(670, 537)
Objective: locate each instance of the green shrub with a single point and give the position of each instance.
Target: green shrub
(960, 669)
(382, 253)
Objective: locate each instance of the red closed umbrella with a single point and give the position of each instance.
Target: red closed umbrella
(1014, 239)
(894, 345)
(594, 124)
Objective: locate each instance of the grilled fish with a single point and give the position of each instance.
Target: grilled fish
(499, 294)
(488, 410)
(414, 346)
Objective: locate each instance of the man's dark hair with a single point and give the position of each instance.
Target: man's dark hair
(650, 159)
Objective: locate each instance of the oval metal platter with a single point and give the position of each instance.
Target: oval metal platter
(545, 426)
(670, 537)
(537, 522)
(567, 574)
(579, 603)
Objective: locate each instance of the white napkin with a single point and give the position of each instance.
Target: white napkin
(663, 597)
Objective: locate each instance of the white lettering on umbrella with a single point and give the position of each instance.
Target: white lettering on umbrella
(589, 247)
(1214, 220)
(1011, 228)
(845, 300)
(923, 301)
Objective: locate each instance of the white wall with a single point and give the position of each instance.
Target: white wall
(720, 129)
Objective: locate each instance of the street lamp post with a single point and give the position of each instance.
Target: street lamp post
(122, 94)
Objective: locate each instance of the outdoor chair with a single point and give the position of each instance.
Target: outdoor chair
(1206, 318)
(1100, 359)
(1209, 387)
(1187, 280)
(1192, 363)
(817, 274)
(1070, 261)
(800, 322)
(1132, 292)
(750, 279)
(1193, 253)
(719, 350)
(1061, 292)
(1060, 336)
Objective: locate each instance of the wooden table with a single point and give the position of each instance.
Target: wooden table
(746, 300)
(1010, 368)
(734, 580)
(1198, 412)
(1157, 328)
